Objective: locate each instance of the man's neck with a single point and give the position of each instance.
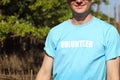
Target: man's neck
(79, 20)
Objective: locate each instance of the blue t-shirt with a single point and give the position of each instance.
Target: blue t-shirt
(80, 52)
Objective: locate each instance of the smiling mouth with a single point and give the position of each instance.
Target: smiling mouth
(79, 5)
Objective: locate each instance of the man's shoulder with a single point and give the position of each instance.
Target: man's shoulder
(104, 26)
(102, 23)
(60, 26)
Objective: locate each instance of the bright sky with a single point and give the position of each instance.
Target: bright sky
(104, 8)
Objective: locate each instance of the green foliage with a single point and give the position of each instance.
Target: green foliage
(32, 18)
(38, 12)
(12, 27)
(4, 2)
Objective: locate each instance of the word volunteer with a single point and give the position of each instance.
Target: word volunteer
(77, 44)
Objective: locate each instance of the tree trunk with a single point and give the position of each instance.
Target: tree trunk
(98, 10)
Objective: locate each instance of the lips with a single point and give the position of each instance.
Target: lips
(80, 6)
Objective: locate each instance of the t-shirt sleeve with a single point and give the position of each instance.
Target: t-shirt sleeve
(112, 47)
(49, 45)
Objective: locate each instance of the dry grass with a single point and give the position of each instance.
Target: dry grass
(14, 66)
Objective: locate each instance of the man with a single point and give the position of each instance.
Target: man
(81, 48)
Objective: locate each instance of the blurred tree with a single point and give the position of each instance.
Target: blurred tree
(98, 2)
(39, 12)
(25, 15)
